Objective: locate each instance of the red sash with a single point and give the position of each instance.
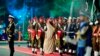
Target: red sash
(59, 33)
(29, 30)
(99, 31)
(33, 32)
(99, 34)
(39, 32)
(95, 31)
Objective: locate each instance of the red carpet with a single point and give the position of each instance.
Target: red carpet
(28, 51)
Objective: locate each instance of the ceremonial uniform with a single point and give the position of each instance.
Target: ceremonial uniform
(40, 35)
(95, 36)
(59, 38)
(32, 35)
(96, 39)
(70, 31)
(99, 39)
(29, 37)
(30, 27)
(10, 33)
(33, 38)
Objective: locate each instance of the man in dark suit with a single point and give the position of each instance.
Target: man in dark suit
(10, 33)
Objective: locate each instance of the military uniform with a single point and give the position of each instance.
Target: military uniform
(33, 38)
(71, 34)
(40, 36)
(99, 35)
(59, 38)
(99, 39)
(29, 33)
(95, 35)
(10, 33)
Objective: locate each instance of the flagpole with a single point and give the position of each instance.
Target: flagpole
(71, 8)
(92, 10)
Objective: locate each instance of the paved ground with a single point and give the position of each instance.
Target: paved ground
(21, 50)
(4, 50)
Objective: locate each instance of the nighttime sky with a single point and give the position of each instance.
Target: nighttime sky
(23, 9)
(47, 8)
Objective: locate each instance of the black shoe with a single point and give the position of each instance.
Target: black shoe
(18, 45)
(41, 53)
(33, 52)
(56, 51)
(29, 46)
(61, 54)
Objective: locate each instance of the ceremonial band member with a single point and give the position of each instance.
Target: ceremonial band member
(70, 32)
(10, 33)
(33, 36)
(95, 38)
(59, 35)
(30, 27)
(99, 38)
(40, 34)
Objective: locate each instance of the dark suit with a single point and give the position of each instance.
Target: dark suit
(10, 34)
